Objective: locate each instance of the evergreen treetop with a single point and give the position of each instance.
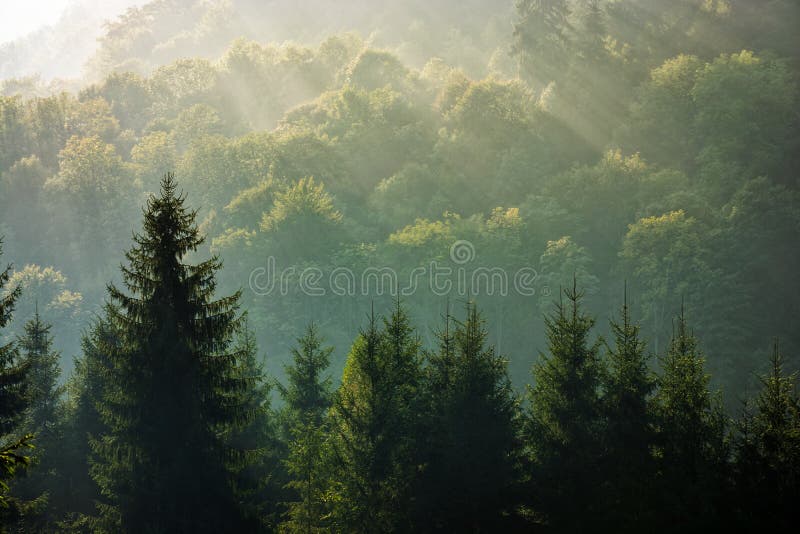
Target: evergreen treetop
(173, 393)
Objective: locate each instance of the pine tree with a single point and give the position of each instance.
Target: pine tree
(173, 394)
(472, 447)
(541, 40)
(691, 436)
(592, 31)
(768, 452)
(629, 468)
(438, 379)
(375, 423)
(83, 421)
(43, 418)
(565, 424)
(260, 484)
(13, 403)
(308, 397)
(43, 377)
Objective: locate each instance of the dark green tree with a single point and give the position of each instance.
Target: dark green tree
(470, 436)
(13, 403)
(542, 40)
(374, 424)
(308, 397)
(84, 423)
(692, 446)
(767, 465)
(629, 435)
(259, 484)
(44, 390)
(13, 384)
(565, 423)
(43, 418)
(173, 395)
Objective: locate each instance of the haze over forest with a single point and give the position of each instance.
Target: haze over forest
(608, 189)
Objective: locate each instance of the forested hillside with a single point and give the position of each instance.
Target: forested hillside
(609, 189)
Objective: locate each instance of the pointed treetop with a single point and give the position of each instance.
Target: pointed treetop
(168, 185)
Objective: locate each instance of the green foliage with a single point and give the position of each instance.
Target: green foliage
(258, 484)
(662, 116)
(13, 371)
(563, 261)
(743, 121)
(48, 290)
(629, 436)
(470, 434)
(12, 458)
(170, 326)
(13, 403)
(84, 423)
(128, 95)
(691, 436)
(153, 153)
(662, 255)
(374, 69)
(12, 131)
(767, 449)
(541, 38)
(661, 137)
(564, 426)
(308, 398)
(43, 418)
(43, 375)
(374, 427)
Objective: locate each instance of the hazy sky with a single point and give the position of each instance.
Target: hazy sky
(18, 17)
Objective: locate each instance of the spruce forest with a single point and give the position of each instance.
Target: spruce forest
(419, 266)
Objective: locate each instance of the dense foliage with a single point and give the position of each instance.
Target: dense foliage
(557, 158)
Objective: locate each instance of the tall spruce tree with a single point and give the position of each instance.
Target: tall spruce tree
(565, 424)
(692, 444)
(13, 403)
(471, 461)
(768, 453)
(308, 397)
(629, 435)
(44, 419)
(173, 393)
(375, 423)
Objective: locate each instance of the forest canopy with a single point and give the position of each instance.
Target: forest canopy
(259, 196)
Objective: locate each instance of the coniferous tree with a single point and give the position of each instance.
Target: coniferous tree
(564, 427)
(83, 421)
(308, 397)
(44, 419)
(438, 377)
(768, 453)
(259, 484)
(43, 381)
(691, 437)
(13, 403)
(542, 40)
(173, 393)
(471, 447)
(628, 464)
(374, 420)
(592, 31)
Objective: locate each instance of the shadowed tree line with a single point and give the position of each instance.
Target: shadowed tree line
(167, 423)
